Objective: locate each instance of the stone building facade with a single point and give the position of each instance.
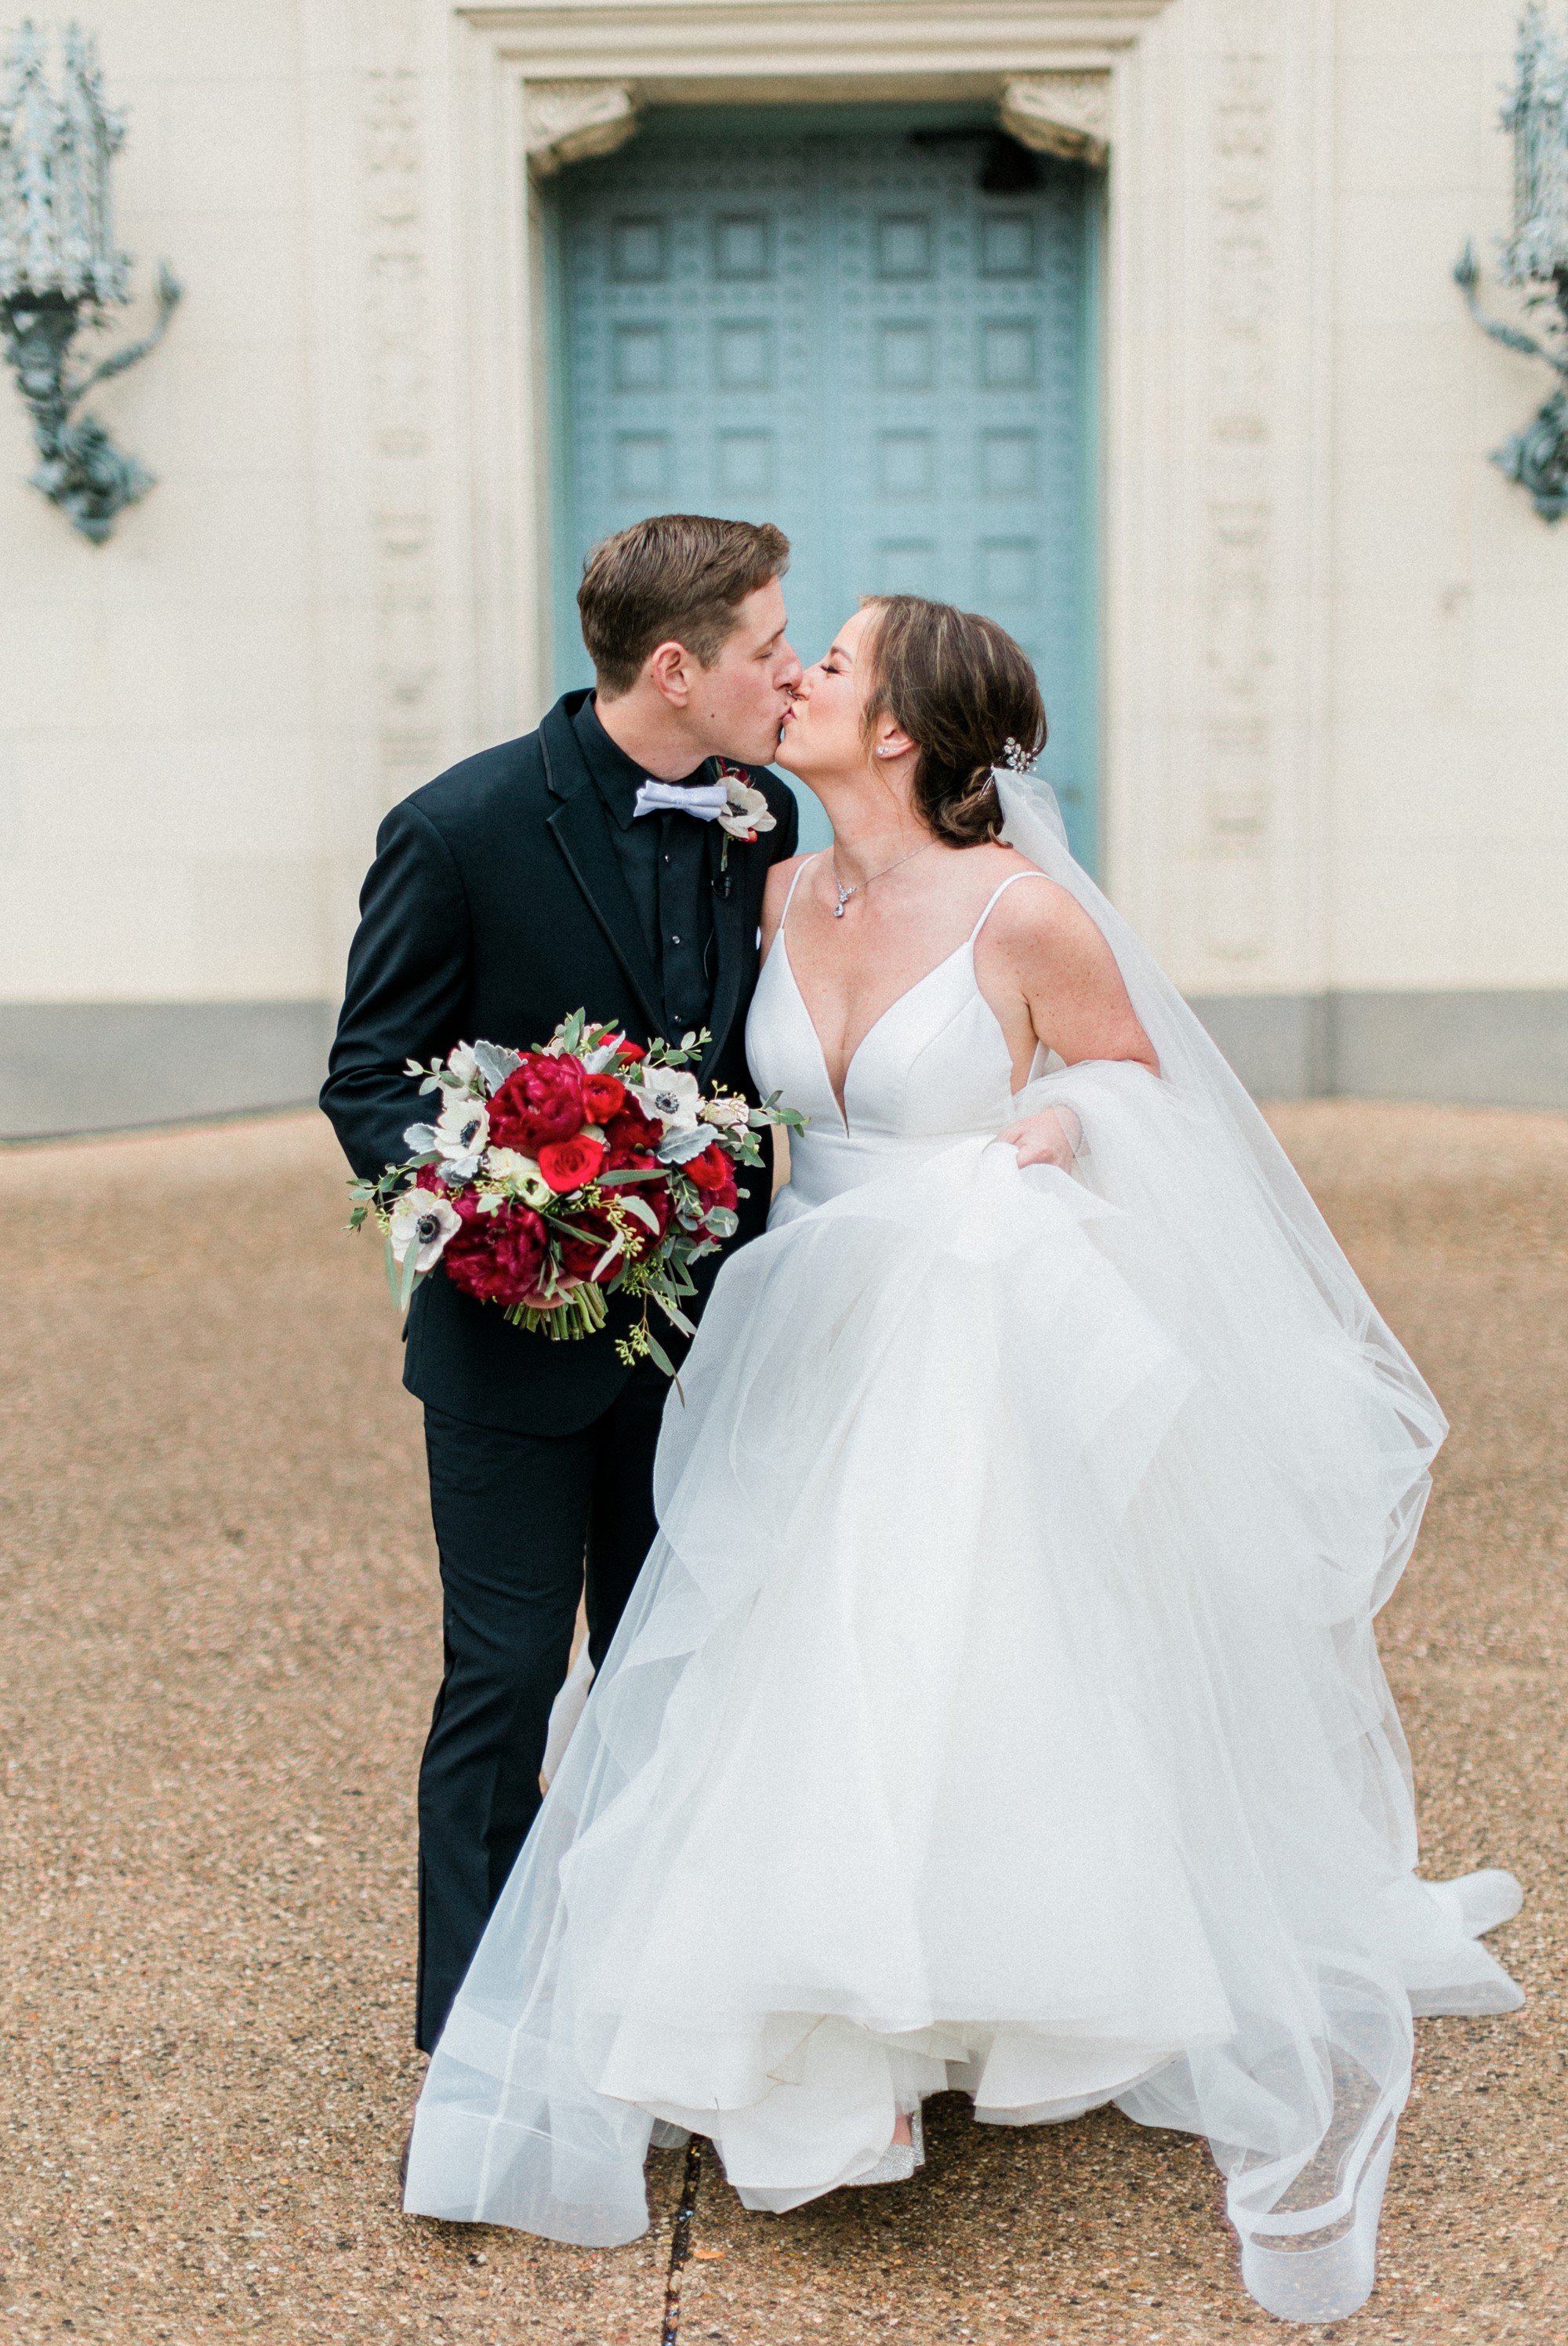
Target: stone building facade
(1323, 687)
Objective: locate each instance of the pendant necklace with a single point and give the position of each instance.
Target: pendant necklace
(845, 893)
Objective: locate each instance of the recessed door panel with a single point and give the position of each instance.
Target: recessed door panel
(838, 329)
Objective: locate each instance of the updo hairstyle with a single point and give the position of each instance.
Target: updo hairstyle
(966, 695)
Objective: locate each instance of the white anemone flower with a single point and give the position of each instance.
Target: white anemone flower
(671, 1095)
(463, 1127)
(747, 813)
(462, 1064)
(425, 1221)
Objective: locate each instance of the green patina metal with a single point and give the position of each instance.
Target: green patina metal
(1536, 257)
(60, 268)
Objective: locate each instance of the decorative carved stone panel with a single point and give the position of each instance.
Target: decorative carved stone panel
(566, 121)
(399, 364)
(1060, 114)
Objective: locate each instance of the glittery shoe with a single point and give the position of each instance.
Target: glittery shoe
(900, 2159)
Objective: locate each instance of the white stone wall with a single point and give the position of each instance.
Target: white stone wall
(1336, 682)
(164, 719)
(1448, 848)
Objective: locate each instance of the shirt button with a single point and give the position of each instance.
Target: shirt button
(675, 941)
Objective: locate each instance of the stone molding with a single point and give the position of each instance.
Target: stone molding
(95, 1067)
(399, 367)
(1241, 293)
(567, 121)
(1067, 113)
(105, 1067)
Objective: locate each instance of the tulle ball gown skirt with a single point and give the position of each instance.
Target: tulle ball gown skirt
(999, 1709)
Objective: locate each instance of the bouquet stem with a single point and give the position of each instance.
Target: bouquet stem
(582, 1312)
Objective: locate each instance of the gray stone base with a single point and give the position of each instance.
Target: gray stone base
(87, 1066)
(68, 1068)
(1478, 1050)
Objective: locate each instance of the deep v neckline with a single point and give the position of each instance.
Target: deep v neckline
(839, 1099)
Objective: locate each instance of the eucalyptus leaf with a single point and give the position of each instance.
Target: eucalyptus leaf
(643, 1212)
(673, 1312)
(410, 1279)
(661, 1359)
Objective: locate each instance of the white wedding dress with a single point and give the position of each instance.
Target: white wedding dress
(998, 1706)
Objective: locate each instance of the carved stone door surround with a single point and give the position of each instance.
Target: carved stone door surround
(1211, 117)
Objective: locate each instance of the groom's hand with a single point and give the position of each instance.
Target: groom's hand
(1051, 1137)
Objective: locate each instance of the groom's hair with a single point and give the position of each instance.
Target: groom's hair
(676, 579)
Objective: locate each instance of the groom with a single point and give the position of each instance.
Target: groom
(581, 867)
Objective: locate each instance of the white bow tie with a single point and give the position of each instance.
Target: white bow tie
(705, 800)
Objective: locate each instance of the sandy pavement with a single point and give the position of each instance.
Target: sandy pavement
(221, 1648)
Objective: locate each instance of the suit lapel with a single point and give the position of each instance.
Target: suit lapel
(581, 829)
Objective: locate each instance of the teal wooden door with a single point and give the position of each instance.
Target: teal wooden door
(828, 323)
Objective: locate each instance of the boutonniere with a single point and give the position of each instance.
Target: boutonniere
(747, 814)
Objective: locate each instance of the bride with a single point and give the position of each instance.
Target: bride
(998, 1708)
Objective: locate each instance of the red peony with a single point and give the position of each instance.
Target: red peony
(653, 1195)
(541, 1101)
(603, 1097)
(632, 1136)
(497, 1257)
(581, 1256)
(570, 1164)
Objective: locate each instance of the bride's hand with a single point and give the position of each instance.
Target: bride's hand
(1051, 1137)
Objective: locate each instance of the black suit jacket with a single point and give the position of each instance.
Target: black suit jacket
(496, 905)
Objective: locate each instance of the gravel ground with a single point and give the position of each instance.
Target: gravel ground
(222, 1645)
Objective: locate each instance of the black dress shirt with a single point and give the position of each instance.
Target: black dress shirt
(669, 860)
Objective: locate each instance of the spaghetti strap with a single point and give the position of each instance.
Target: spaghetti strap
(1011, 880)
(794, 883)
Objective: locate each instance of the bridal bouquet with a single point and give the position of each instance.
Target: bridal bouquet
(552, 1179)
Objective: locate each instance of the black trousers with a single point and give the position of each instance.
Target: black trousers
(526, 1524)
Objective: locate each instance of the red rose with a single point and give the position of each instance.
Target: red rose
(713, 1176)
(603, 1097)
(569, 1164)
(710, 1170)
(541, 1100)
(632, 1136)
(632, 1051)
(497, 1258)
